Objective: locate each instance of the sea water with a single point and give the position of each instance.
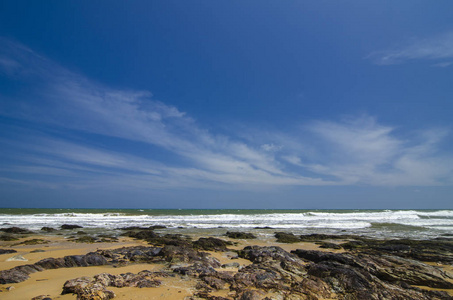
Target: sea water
(418, 224)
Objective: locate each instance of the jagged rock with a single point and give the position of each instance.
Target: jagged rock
(21, 273)
(33, 242)
(153, 227)
(327, 245)
(48, 229)
(439, 250)
(87, 289)
(196, 270)
(8, 237)
(231, 265)
(211, 244)
(16, 230)
(6, 251)
(284, 237)
(260, 254)
(70, 226)
(372, 277)
(96, 287)
(321, 237)
(250, 295)
(240, 235)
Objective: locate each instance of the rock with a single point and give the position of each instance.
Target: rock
(87, 289)
(16, 230)
(21, 273)
(69, 226)
(327, 245)
(84, 239)
(240, 235)
(6, 289)
(48, 229)
(96, 287)
(251, 295)
(17, 258)
(33, 242)
(374, 277)
(231, 265)
(133, 228)
(321, 237)
(211, 244)
(6, 251)
(42, 297)
(37, 251)
(439, 250)
(258, 254)
(8, 237)
(153, 227)
(284, 237)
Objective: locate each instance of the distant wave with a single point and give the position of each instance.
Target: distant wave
(362, 221)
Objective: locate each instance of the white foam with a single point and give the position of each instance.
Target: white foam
(305, 220)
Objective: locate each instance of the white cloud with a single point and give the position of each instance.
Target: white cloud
(439, 47)
(359, 150)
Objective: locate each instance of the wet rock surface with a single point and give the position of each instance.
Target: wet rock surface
(240, 235)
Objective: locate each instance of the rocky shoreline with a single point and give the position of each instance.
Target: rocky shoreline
(343, 267)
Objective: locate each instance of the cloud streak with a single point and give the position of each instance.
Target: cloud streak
(92, 136)
(438, 48)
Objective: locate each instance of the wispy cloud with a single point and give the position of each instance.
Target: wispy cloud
(153, 145)
(437, 48)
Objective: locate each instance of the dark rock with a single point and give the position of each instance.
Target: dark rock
(240, 235)
(87, 289)
(84, 239)
(21, 273)
(231, 265)
(5, 251)
(211, 244)
(258, 254)
(284, 237)
(33, 242)
(48, 229)
(69, 226)
(16, 230)
(8, 237)
(327, 245)
(370, 276)
(321, 237)
(37, 251)
(250, 295)
(133, 228)
(422, 250)
(96, 287)
(153, 227)
(42, 297)
(17, 274)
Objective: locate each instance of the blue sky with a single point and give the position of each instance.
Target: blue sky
(226, 104)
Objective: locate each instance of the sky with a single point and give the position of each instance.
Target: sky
(226, 104)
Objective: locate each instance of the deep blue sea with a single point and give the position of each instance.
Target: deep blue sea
(417, 224)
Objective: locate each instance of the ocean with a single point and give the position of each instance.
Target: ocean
(416, 224)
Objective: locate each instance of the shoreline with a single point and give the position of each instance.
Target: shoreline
(184, 285)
